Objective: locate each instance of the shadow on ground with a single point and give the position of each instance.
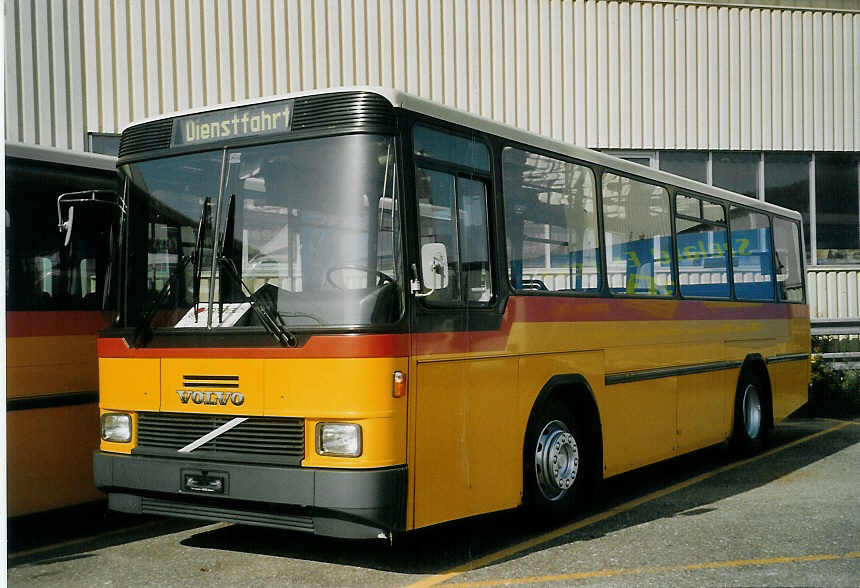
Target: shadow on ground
(441, 547)
(62, 534)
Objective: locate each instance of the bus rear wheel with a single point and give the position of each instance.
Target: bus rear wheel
(750, 428)
(555, 457)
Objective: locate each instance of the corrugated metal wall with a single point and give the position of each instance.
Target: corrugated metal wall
(597, 73)
(833, 292)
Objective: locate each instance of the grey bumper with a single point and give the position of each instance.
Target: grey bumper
(342, 503)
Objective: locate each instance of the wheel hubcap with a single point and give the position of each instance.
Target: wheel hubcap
(752, 412)
(556, 460)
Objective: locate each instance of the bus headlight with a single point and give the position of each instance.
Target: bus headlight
(339, 439)
(116, 427)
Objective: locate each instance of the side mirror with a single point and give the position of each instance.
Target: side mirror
(96, 206)
(434, 265)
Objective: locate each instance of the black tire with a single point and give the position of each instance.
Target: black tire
(555, 461)
(750, 422)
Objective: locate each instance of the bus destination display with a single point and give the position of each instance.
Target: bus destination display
(235, 123)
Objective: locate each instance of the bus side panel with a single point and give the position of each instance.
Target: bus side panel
(638, 424)
(789, 384)
(468, 439)
(790, 379)
(705, 408)
(50, 457)
(49, 450)
(37, 366)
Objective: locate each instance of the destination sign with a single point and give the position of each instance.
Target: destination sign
(223, 125)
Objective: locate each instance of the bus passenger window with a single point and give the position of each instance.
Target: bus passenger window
(789, 277)
(551, 223)
(638, 232)
(703, 257)
(751, 254)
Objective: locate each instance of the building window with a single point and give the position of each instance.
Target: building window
(786, 183)
(688, 164)
(737, 172)
(837, 216)
(104, 143)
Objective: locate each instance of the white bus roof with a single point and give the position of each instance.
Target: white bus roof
(60, 156)
(413, 103)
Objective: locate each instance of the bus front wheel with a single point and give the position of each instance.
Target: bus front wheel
(554, 460)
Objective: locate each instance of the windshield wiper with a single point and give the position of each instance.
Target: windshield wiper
(143, 332)
(198, 253)
(274, 325)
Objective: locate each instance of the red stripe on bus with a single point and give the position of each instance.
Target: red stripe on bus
(318, 346)
(554, 309)
(520, 309)
(47, 323)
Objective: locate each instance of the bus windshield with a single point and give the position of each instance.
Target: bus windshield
(309, 229)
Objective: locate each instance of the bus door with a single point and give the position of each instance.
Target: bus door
(464, 437)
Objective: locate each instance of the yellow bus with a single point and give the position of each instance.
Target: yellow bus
(54, 301)
(355, 313)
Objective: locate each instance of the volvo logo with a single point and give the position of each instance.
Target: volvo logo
(211, 397)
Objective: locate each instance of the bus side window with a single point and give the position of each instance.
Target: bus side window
(452, 210)
(789, 277)
(474, 240)
(638, 233)
(751, 254)
(437, 204)
(551, 223)
(703, 257)
(10, 244)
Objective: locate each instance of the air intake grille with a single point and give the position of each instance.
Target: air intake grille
(212, 512)
(146, 137)
(346, 109)
(321, 112)
(209, 382)
(258, 439)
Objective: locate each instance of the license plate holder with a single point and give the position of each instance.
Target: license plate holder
(200, 482)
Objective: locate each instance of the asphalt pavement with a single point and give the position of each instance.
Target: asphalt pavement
(787, 517)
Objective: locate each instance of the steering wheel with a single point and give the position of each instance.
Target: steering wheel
(381, 276)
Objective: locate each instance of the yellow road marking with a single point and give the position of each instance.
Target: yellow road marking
(602, 516)
(713, 565)
(842, 421)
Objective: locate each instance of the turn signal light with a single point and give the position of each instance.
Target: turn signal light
(399, 386)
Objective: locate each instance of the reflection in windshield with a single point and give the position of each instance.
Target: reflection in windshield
(310, 226)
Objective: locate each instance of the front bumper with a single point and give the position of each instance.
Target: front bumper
(339, 503)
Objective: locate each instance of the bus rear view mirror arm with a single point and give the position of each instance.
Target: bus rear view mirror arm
(94, 202)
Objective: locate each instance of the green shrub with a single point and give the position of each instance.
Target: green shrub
(833, 392)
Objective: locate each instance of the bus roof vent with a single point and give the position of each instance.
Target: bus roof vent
(343, 109)
(146, 137)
